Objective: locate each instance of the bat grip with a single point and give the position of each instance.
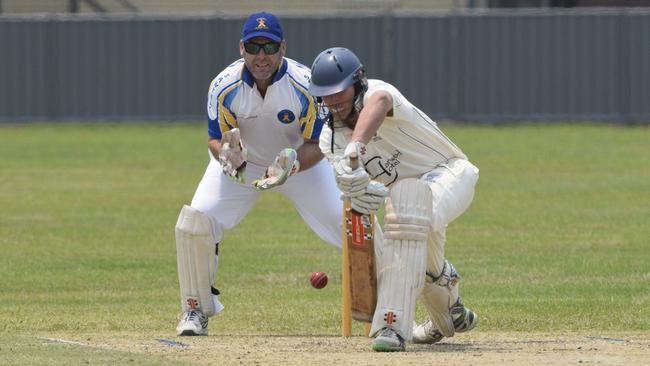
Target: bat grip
(354, 161)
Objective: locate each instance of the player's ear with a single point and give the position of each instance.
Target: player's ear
(241, 48)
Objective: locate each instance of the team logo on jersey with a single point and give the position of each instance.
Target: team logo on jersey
(286, 116)
(261, 23)
(378, 166)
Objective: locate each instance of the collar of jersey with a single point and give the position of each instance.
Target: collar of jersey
(247, 77)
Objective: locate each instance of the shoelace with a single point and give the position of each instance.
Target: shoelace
(192, 315)
(389, 333)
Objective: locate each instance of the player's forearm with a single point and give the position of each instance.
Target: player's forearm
(372, 116)
(215, 147)
(309, 154)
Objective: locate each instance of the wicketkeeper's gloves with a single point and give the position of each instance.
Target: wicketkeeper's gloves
(285, 165)
(233, 156)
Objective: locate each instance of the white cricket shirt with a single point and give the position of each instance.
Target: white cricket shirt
(408, 144)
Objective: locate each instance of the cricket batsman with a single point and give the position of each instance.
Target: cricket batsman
(263, 135)
(424, 179)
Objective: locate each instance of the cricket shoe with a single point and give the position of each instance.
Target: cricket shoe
(193, 323)
(464, 321)
(388, 341)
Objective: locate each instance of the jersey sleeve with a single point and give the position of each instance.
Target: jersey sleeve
(377, 85)
(221, 94)
(311, 124)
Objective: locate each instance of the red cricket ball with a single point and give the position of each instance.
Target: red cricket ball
(318, 279)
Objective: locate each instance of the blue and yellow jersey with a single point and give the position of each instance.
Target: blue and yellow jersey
(285, 117)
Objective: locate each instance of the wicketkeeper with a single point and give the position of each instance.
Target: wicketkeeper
(262, 125)
(425, 181)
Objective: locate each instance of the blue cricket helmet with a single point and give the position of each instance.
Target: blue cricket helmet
(333, 71)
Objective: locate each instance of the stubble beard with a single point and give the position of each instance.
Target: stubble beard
(347, 115)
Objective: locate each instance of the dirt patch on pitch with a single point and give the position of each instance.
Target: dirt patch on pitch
(477, 348)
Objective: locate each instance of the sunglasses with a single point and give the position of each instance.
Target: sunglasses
(270, 48)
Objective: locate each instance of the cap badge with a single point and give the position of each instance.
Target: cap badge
(261, 23)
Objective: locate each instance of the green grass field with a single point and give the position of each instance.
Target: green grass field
(557, 238)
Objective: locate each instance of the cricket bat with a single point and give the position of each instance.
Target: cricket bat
(359, 273)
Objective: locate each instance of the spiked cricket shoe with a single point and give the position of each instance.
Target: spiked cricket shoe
(193, 323)
(464, 321)
(426, 333)
(388, 341)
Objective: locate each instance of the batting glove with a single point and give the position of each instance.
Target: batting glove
(371, 199)
(352, 182)
(233, 156)
(285, 165)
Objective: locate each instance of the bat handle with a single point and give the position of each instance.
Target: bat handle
(354, 161)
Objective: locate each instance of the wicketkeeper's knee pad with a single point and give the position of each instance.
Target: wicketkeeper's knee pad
(197, 262)
(439, 295)
(402, 263)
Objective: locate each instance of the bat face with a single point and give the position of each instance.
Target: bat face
(359, 274)
(362, 278)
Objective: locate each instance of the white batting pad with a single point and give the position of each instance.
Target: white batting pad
(439, 294)
(402, 262)
(197, 261)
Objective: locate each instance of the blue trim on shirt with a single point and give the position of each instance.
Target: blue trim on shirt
(213, 124)
(318, 128)
(298, 82)
(227, 100)
(281, 71)
(213, 129)
(304, 101)
(247, 77)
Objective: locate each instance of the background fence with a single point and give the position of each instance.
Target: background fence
(487, 65)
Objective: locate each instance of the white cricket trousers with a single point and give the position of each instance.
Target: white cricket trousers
(452, 185)
(313, 193)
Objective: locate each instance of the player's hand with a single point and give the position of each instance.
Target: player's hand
(233, 156)
(371, 199)
(351, 180)
(285, 165)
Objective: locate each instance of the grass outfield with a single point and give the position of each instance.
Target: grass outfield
(557, 238)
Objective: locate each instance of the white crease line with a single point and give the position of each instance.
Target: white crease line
(609, 339)
(169, 342)
(60, 340)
